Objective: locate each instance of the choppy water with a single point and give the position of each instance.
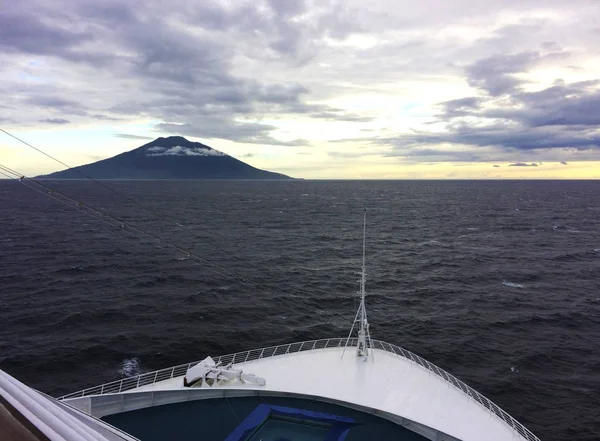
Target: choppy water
(498, 282)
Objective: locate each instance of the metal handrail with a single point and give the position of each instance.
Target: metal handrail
(148, 378)
(468, 390)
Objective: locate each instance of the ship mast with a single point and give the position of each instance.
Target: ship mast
(364, 336)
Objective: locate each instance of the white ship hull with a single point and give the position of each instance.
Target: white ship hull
(393, 383)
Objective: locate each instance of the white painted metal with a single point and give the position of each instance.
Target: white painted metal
(453, 393)
(207, 369)
(362, 350)
(364, 335)
(400, 384)
(56, 420)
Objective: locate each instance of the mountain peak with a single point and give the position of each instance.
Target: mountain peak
(172, 141)
(173, 157)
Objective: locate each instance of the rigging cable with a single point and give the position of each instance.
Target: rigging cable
(111, 220)
(124, 226)
(168, 219)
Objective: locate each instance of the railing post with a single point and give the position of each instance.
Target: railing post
(155, 375)
(261, 353)
(138, 382)
(102, 390)
(247, 355)
(120, 385)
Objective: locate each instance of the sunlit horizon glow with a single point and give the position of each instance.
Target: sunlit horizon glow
(316, 90)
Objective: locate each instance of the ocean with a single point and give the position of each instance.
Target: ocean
(498, 282)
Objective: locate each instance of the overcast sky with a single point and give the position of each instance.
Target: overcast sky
(322, 89)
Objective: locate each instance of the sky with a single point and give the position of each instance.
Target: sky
(319, 89)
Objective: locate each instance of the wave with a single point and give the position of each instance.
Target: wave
(130, 367)
(432, 243)
(97, 316)
(572, 257)
(71, 270)
(565, 229)
(132, 307)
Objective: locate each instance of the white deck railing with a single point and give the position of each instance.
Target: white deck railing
(130, 383)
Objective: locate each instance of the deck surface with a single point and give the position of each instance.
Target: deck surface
(388, 382)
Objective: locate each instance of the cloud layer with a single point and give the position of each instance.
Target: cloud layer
(505, 117)
(511, 81)
(182, 151)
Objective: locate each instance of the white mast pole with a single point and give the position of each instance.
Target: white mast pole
(364, 336)
(363, 331)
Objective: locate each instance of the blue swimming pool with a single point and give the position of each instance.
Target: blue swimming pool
(217, 419)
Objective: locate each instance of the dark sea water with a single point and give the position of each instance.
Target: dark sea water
(497, 282)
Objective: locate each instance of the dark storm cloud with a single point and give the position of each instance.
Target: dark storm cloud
(495, 74)
(278, 93)
(522, 164)
(510, 119)
(193, 75)
(105, 117)
(501, 135)
(569, 105)
(108, 13)
(460, 107)
(52, 102)
(37, 30)
(230, 70)
(244, 132)
(171, 67)
(209, 113)
(461, 104)
(25, 32)
(432, 155)
(283, 34)
(55, 121)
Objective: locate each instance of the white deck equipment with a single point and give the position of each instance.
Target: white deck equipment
(208, 374)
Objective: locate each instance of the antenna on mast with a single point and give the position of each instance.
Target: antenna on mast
(364, 336)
